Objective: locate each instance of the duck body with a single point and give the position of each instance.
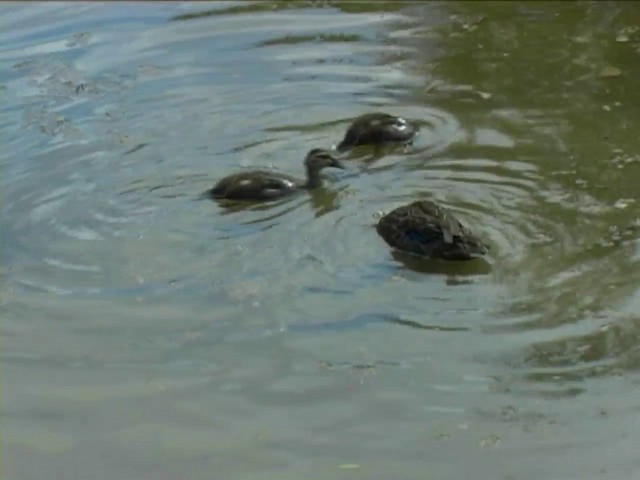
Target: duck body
(255, 185)
(266, 185)
(377, 129)
(427, 229)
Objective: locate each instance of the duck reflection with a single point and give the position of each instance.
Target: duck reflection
(477, 266)
(324, 200)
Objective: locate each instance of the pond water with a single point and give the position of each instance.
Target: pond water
(150, 333)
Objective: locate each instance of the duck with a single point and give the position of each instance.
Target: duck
(266, 185)
(427, 229)
(376, 129)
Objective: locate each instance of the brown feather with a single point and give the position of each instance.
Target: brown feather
(425, 228)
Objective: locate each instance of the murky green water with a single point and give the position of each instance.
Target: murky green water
(147, 333)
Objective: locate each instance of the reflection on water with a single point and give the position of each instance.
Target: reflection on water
(149, 332)
(477, 266)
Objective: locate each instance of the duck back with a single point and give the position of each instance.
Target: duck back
(256, 185)
(376, 129)
(427, 229)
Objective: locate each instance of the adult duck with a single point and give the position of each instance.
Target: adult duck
(377, 129)
(427, 229)
(265, 185)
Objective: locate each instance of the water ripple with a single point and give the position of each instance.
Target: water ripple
(114, 125)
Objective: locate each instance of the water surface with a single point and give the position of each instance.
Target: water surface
(148, 333)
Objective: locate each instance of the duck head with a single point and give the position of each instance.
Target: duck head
(319, 158)
(316, 160)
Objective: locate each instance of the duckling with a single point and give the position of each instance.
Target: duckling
(265, 185)
(376, 129)
(427, 229)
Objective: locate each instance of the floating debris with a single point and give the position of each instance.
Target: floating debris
(623, 203)
(610, 72)
(490, 441)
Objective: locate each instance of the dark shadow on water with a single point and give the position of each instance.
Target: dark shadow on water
(308, 127)
(228, 206)
(422, 326)
(372, 366)
(372, 153)
(322, 201)
(246, 7)
(477, 266)
(320, 38)
(143, 185)
(272, 6)
(249, 145)
(367, 319)
(138, 147)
